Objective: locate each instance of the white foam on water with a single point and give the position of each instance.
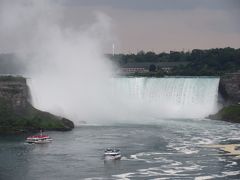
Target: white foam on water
(233, 163)
(124, 176)
(161, 171)
(204, 177)
(231, 173)
(186, 150)
(183, 146)
(202, 140)
(168, 167)
(222, 175)
(95, 178)
(221, 159)
(151, 157)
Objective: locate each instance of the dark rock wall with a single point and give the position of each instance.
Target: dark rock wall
(15, 90)
(229, 87)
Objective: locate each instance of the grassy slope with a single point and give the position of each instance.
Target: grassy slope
(29, 119)
(230, 113)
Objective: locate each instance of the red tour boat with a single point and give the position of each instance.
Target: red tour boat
(39, 139)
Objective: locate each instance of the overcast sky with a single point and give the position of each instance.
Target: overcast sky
(163, 25)
(160, 25)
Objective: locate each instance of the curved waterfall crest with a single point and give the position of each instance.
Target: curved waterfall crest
(124, 100)
(173, 97)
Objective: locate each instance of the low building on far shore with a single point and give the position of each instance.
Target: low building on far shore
(166, 67)
(130, 68)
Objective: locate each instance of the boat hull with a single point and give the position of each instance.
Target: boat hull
(39, 141)
(112, 154)
(110, 157)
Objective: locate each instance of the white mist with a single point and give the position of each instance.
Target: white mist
(70, 76)
(67, 69)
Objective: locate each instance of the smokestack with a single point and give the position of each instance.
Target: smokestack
(113, 49)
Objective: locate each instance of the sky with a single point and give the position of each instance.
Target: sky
(163, 25)
(158, 25)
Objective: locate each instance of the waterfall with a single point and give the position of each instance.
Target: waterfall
(173, 97)
(136, 99)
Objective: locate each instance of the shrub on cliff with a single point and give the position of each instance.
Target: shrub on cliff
(29, 119)
(18, 115)
(230, 113)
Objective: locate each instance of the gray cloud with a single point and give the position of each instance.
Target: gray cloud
(157, 4)
(198, 25)
(159, 25)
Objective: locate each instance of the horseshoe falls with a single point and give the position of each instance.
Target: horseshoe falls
(128, 99)
(172, 97)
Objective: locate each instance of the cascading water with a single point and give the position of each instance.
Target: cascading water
(172, 97)
(135, 100)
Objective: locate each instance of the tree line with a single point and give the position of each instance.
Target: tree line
(210, 62)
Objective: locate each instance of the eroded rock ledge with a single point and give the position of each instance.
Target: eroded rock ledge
(229, 88)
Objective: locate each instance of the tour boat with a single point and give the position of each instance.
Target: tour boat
(112, 154)
(39, 139)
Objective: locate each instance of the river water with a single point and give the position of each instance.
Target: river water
(158, 124)
(169, 149)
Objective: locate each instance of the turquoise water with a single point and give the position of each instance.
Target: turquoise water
(169, 149)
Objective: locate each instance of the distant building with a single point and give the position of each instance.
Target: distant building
(168, 66)
(150, 67)
(135, 68)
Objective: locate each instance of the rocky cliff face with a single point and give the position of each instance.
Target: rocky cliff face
(18, 115)
(15, 91)
(229, 87)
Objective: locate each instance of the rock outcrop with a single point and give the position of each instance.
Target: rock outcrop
(229, 87)
(229, 113)
(15, 91)
(18, 115)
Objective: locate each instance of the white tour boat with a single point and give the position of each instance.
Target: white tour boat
(112, 154)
